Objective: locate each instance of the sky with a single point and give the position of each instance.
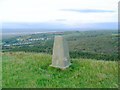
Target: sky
(60, 13)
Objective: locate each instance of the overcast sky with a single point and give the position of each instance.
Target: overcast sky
(67, 12)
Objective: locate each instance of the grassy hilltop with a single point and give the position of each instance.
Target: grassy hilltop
(32, 70)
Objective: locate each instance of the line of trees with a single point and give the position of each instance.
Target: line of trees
(80, 54)
(73, 54)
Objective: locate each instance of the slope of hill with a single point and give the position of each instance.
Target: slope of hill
(32, 70)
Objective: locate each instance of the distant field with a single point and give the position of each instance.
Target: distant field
(86, 44)
(32, 70)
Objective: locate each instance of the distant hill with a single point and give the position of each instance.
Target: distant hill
(48, 27)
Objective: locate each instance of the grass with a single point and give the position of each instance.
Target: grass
(32, 70)
(0, 70)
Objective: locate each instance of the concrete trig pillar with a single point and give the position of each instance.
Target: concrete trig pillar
(60, 57)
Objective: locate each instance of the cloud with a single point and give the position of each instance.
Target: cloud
(54, 11)
(88, 10)
(60, 19)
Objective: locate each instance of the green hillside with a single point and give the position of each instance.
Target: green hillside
(32, 70)
(86, 44)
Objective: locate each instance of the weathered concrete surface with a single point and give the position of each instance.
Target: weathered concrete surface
(60, 57)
